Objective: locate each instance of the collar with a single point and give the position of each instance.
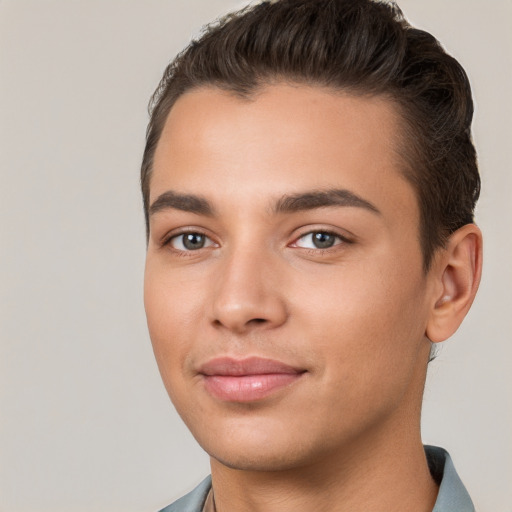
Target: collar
(452, 493)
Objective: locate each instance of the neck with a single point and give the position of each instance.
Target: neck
(376, 476)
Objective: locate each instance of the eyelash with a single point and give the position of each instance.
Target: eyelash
(342, 240)
(166, 242)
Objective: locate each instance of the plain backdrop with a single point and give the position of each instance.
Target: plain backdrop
(85, 423)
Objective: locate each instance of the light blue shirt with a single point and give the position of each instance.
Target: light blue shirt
(452, 497)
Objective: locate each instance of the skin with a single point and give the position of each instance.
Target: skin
(354, 318)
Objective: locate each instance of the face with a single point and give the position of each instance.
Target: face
(284, 289)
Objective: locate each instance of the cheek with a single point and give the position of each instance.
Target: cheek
(173, 311)
(368, 328)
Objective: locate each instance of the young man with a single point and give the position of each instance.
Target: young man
(309, 183)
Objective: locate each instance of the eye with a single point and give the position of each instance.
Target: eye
(191, 241)
(318, 240)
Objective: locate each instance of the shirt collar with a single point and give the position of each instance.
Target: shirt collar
(452, 493)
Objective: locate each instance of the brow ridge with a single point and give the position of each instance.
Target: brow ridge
(321, 199)
(185, 202)
(293, 203)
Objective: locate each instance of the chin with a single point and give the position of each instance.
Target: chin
(253, 460)
(268, 450)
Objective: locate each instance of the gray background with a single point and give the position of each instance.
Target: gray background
(85, 423)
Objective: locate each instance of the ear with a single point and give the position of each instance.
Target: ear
(456, 273)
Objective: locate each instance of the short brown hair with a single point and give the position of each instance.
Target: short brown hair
(358, 46)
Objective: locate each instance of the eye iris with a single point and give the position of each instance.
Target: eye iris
(193, 241)
(322, 240)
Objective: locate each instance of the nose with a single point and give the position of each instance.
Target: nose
(248, 294)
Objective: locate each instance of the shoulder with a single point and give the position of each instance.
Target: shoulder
(193, 501)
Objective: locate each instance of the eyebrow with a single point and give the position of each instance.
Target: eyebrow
(321, 199)
(185, 202)
(286, 204)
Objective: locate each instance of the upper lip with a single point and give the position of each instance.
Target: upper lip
(230, 366)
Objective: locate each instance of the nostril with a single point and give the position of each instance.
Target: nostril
(253, 322)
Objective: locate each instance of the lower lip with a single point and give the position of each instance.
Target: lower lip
(247, 388)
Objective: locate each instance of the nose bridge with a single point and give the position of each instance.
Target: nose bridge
(247, 290)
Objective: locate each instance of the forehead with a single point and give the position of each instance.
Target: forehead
(282, 139)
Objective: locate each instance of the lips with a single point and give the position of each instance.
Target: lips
(247, 380)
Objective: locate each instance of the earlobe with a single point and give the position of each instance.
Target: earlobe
(457, 274)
